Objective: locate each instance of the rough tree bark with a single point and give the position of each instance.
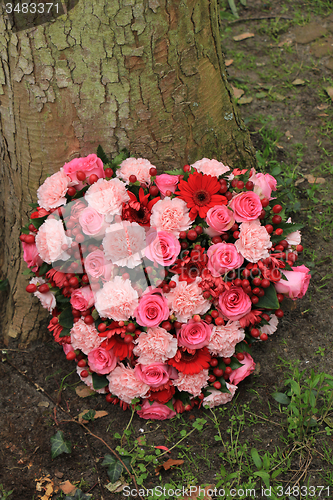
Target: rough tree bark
(147, 75)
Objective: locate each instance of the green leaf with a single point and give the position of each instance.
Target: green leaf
(59, 445)
(4, 284)
(177, 171)
(235, 364)
(256, 458)
(269, 300)
(89, 415)
(295, 387)
(25, 230)
(33, 205)
(127, 461)
(44, 268)
(264, 476)
(65, 332)
(169, 404)
(287, 229)
(243, 347)
(28, 272)
(79, 495)
(39, 221)
(115, 468)
(233, 8)
(66, 318)
(281, 398)
(101, 154)
(99, 381)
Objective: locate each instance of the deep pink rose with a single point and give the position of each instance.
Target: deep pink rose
(92, 222)
(235, 303)
(264, 184)
(97, 266)
(156, 411)
(30, 256)
(102, 361)
(244, 371)
(223, 257)
(194, 335)
(219, 220)
(155, 374)
(246, 206)
(152, 309)
(91, 164)
(162, 247)
(297, 284)
(166, 182)
(82, 298)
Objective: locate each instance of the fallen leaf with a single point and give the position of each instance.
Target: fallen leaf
(83, 391)
(243, 36)
(237, 92)
(261, 95)
(298, 81)
(98, 414)
(329, 91)
(46, 484)
(44, 404)
(163, 448)
(315, 180)
(58, 474)
(245, 100)
(277, 96)
(288, 134)
(279, 146)
(322, 106)
(116, 487)
(168, 464)
(323, 114)
(67, 487)
(228, 62)
(299, 181)
(198, 492)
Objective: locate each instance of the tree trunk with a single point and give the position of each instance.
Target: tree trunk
(147, 75)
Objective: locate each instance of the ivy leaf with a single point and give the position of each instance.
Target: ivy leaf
(101, 154)
(269, 300)
(281, 398)
(66, 318)
(59, 445)
(79, 495)
(115, 468)
(4, 284)
(99, 381)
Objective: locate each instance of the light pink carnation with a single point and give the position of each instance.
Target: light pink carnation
(166, 182)
(271, 327)
(223, 257)
(117, 300)
(264, 184)
(82, 298)
(90, 164)
(48, 299)
(246, 206)
(124, 243)
(186, 300)
(124, 384)
(254, 241)
(102, 361)
(217, 398)
(50, 239)
(192, 383)
(51, 194)
(155, 374)
(171, 215)
(194, 335)
(89, 381)
(155, 411)
(85, 337)
(162, 248)
(224, 339)
(152, 309)
(219, 219)
(210, 167)
(138, 167)
(107, 197)
(92, 222)
(155, 345)
(97, 266)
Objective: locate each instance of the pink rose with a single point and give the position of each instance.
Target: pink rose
(210, 167)
(51, 194)
(254, 241)
(155, 345)
(264, 184)
(125, 385)
(117, 300)
(90, 164)
(156, 374)
(85, 337)
(156, 411)
(297, 282)
(97, 266)
(166, 182)
(219, 220)
(246, 206)
(30, 256)
(217, 398)
(82, 298)
(234, 303)
(194, 335)
(162, 248)
(77, 208)
(92, 222)
(139, 167)
(171, 215)
(223, 257)
(152, 309)
(244, 371)
(102, 361)
(50, 240)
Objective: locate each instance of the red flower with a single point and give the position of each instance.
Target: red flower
(162, 396)
(139, 211)
(191, 363)
(200, 193)
(120, 348)
(56, 329)
(191, 265)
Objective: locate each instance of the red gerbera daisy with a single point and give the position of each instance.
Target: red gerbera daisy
(121, 349)
(191, 364)
(139, 210)
(200, 193)
(163, 395)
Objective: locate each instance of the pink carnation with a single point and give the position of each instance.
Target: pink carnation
(217, 398)
(243, 371)
(102, 361)
(264, 184)
(171, 215)
(210, 167)
(155, 345)
(107, 197)
(117, 300)
(296, 284)
(192, 383)
(186, 300)
(97, 266)
(89, 381)
(162, 248)
(271, 327)
(124, 243)
(85, 337)
(254, 241)
(152, 309)
(30, 256)
(234, 303)
(82, 298)
(194, 335)
(155, 374)
(51, 194)
(50, 239)
(155, 411)
(138, 167)
(224, 339)
(124, 384)
(90, 164)
(47, 299)
(92, 222)
(246, 206)
(166, 182)
(223, 257)
(219, 219)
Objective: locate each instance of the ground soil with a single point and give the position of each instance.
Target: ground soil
(264, 66)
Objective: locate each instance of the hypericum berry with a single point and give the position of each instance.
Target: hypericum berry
(235, 234)
(186, 168)
(84, 374)
(76, 313)
(153, 171)
(177, 324)
(279, 313)
(85, 278)
(128, 339)
(277, 209)
(211, 378)
(74, 281)
(101, 327)
(263, 336)
(238, 282)
(256, 291)
(196, 318)
(93, 178)
(31, 227)
(166, 325)
(234, 183)
(153, 190)
(108, 172)
(166, 289)
(292, 257)
(279, 231)
(219, 321)
(228, 195)
(216, 239)
(269, 228)
(192, 235)
(228, 370)
(198, 229)
(246, 273)
(81, 176)
(168, 192)
(172, 284)
(109, 398)
(31, 288)
(213, 362)
(262, 215)
(299, 248)
(82, 363)
(89, 320)
(265, 283)
(30, 238)
(184, 245)
(265, 202)
(125, 276)
(132, 178)
(226, 361)
(245, 283)
(217, 385)
(218, 372)
(240, 356)
(71, 191)
(214, 314)
(206, 294)
(182, 235)
(44, 288)
(130, 328)
(240, 184)
(279, 247)
(256, 282)
(223, 188)
(276, 219)
(254, 299)
(249, 185)
(255, 333)
(70, 356)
